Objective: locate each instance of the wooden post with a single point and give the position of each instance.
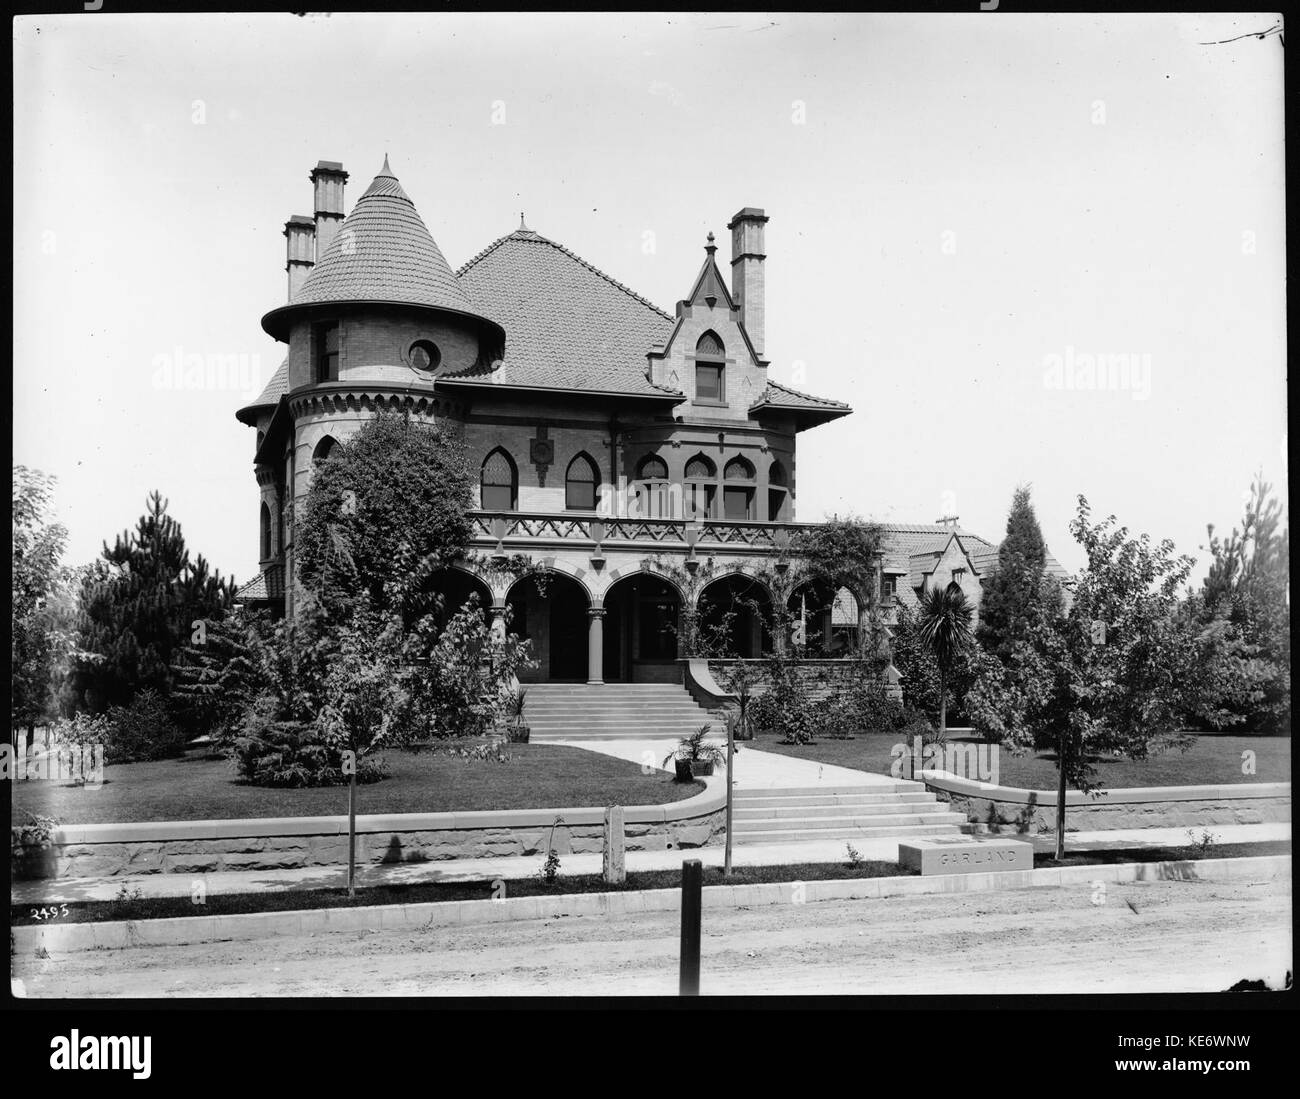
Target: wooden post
(731, 786)
(352, 830)
(1060, 798)
(692, 882)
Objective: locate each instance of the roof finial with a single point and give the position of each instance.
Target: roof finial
(710, 247)
(385, 170)
(521, 222)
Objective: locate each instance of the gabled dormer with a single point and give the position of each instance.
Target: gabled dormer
(709, 355)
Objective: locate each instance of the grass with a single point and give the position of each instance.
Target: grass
(131, 906)
(1213, 759)
(200, 787)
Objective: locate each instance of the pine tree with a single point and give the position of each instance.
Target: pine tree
(1014, 597)
(138, 607)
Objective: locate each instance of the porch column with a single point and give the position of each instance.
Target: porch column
(595, 645)
(498, 613)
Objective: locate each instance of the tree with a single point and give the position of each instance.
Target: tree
(398, 488)
(138, 609)
(39, 635)
(1015, 593)
(944, 629)
(1114, 675)
(1247, 587)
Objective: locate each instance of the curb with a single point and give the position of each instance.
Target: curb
(186, 930)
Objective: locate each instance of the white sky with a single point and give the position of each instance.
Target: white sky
(967, 196)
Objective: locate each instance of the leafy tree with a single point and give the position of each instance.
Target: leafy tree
(1016, 593)
(220, 673)
(138, 608)
(397, 489)
(944, 630)
(39, 633)
(1114, 675)
(1247, 587)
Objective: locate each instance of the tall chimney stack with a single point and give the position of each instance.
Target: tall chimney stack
(300, 251)
(747, 258)
(329, 178)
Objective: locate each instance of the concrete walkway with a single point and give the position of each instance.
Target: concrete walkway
(488, 870)
(755, 770)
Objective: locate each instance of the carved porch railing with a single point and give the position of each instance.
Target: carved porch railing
(569, 528)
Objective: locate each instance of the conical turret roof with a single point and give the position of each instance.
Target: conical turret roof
(382, 253)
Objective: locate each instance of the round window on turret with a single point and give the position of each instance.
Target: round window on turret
(424, 355)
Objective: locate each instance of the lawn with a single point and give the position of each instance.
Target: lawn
(1213, 759)
(200, 787)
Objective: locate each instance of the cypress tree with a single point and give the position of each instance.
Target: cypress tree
(1014, 596)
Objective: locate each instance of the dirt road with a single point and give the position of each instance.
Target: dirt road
(1183, 936)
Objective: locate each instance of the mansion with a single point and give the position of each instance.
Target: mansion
(622, 448)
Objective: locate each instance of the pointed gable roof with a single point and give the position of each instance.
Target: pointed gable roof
(569, 325)
(710, 287)
(382, 253)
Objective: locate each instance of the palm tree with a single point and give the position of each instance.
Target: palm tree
(944, 628)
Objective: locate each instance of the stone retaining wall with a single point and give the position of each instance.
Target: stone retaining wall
(1008, 809)
(212, 846)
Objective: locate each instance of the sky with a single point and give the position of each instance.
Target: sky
(969, 215)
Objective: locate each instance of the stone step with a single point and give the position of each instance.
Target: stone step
(797, 812)
(832, 800)
(670, 736)
(674, 711)
(822, 824)
(778, 835)
(828, 791)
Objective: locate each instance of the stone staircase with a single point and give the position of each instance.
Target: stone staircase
(613, 711)
(882, 811)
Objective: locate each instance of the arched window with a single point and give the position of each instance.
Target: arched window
(777, 490)
(498, 482)
(738, 490)
(323, 450)
(709, 346)
(581, 484)
(264, 524)
(652, 487)
(710, 370)
(701, 487)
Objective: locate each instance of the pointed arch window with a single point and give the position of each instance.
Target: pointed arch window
(323, 450)
(581, 484)
(710, 370)
(701, 488)
(264, 531)
(777, 492)
(738, 490)
(499, 482)
(652, 487)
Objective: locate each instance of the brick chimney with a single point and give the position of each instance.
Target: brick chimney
(329, 178)
(747, 258)
(300, 251)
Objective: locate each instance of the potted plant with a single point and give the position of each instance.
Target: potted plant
(517, 729)
(693, 758)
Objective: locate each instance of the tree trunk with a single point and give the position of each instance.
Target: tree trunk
(352, 831)
(1060, 798)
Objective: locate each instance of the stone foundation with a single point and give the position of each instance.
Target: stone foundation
(1010, 810)
(202, 847)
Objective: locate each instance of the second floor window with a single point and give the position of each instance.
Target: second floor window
(498, 483)
(326, 341)
(710, 378)
(580, 484)
(652, 487)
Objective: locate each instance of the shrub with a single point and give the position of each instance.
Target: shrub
(142, 731)
(270, 751)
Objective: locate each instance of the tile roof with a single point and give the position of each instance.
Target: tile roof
(782, 396)
(276, 388)
(568, 324)
(383, 252)
(265, 586)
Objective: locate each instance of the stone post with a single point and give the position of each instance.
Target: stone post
(613, 869)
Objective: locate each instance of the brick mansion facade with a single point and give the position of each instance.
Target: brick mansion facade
(619, 446)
